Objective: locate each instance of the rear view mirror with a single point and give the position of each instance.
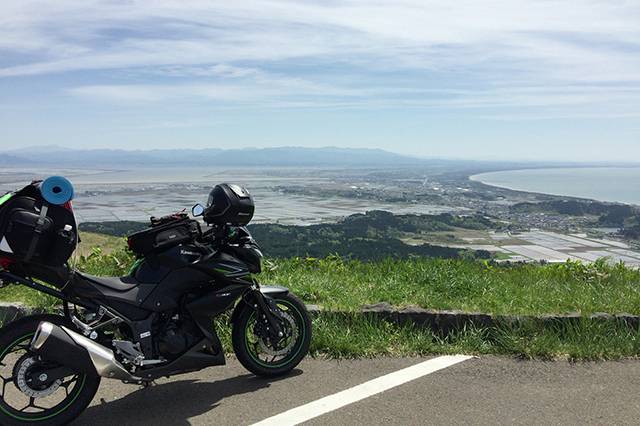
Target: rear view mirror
(197, 210)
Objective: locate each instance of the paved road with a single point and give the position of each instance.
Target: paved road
(488, 390)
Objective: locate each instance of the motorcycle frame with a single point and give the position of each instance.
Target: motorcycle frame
(237, 293)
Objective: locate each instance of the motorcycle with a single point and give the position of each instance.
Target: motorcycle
(158, 321)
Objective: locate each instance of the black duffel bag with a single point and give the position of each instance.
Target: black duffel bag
(34, 231)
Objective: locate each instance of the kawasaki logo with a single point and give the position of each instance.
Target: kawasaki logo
(189, 253)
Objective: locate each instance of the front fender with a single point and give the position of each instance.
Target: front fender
(266, 290)
(273, 290)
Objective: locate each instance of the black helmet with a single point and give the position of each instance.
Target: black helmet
(229, 204)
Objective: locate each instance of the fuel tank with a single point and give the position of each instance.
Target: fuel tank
(153, 269)
(184, 269)
(225, 263)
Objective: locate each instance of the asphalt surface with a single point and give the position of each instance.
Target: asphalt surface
(484, 391)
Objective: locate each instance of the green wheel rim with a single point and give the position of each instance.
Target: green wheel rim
(289, 357)
(79, 387)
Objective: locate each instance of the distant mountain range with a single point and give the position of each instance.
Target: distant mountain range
(284, 156)
(54, 156)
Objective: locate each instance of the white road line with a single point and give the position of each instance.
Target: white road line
(349, 396)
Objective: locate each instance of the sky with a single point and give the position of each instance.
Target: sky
(466, 79)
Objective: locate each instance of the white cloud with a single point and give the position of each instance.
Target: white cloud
(498, 47)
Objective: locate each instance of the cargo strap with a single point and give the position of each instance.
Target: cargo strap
(37, 232)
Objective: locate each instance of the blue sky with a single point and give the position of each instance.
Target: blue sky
(496, 79)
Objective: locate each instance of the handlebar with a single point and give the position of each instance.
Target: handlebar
(218, 235)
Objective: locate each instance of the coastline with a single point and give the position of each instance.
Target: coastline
(597, 191)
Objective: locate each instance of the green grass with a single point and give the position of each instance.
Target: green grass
(351, 336)
(440, 284)
(27, 296)
(90, 240)
(466, 285)
(345, 335)
(463, 285)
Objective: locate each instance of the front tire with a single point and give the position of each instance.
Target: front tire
(65, 399)
(260, 356)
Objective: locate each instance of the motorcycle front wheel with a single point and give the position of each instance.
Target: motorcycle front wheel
(258, 353)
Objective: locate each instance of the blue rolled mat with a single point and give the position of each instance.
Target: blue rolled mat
(56, 190)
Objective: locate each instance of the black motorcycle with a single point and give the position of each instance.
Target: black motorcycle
(157, 321)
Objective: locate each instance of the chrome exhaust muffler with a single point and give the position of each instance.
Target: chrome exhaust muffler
(73, 350)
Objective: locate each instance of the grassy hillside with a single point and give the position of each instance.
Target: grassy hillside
(374, 235)
(90, 240)
(468, 285)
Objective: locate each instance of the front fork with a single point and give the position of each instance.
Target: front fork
(259, 298)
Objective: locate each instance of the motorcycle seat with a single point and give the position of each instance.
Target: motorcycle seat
(114, 283)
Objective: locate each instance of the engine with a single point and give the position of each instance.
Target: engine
(177, 335)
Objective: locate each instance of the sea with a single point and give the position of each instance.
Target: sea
(613, 184)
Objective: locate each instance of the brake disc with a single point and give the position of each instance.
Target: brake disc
(21, 370)
(294, 336)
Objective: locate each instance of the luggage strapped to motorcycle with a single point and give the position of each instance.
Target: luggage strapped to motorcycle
(32, 230)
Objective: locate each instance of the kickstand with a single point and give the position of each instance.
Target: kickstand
(150, 383)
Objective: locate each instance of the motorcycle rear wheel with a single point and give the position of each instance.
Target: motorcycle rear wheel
(257, 354)
(67, 397)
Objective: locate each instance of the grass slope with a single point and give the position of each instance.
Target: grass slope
(471, 286)
(466, 285)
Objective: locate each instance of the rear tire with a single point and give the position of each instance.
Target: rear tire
(245, 341)
(14, 339)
